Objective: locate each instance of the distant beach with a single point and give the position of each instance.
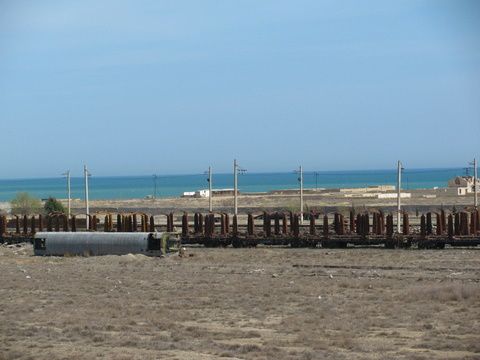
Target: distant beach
(138, 187)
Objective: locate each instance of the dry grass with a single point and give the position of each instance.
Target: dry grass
(242, 303)
(452, 291)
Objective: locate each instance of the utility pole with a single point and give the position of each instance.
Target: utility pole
(300, 180)
(210, 191)
(475, 177)
(399, 184)
(236, 170)
(155, 177)
(301, 195)
(235, 186)
(87, 210)
(67, 174)
(316, 173)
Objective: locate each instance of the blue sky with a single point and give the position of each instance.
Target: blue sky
(170, 87)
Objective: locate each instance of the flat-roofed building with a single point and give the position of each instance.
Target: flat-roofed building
(463, 184)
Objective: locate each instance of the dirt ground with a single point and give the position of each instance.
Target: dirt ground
(323, 201)
(229, 303)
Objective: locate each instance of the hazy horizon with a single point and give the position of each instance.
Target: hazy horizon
(305, 171)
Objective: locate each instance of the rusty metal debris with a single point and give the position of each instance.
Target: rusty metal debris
(432, 229)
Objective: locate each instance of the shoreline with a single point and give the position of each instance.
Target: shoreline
(280, 200)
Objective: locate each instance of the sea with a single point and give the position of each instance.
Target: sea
(135, 187)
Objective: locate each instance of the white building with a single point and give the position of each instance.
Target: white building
(197, 194)
(202, 193)
(463, 184)
(188, 194)
(205, 193)
(373, 188)
(394, 196)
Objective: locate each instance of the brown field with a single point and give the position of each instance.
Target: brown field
(228, 303)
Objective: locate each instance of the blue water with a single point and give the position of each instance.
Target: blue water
(131, 187)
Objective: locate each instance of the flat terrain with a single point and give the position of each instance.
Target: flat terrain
(228, 303)
(423, 200)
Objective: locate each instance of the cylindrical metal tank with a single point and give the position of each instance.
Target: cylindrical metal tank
(99, 243)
